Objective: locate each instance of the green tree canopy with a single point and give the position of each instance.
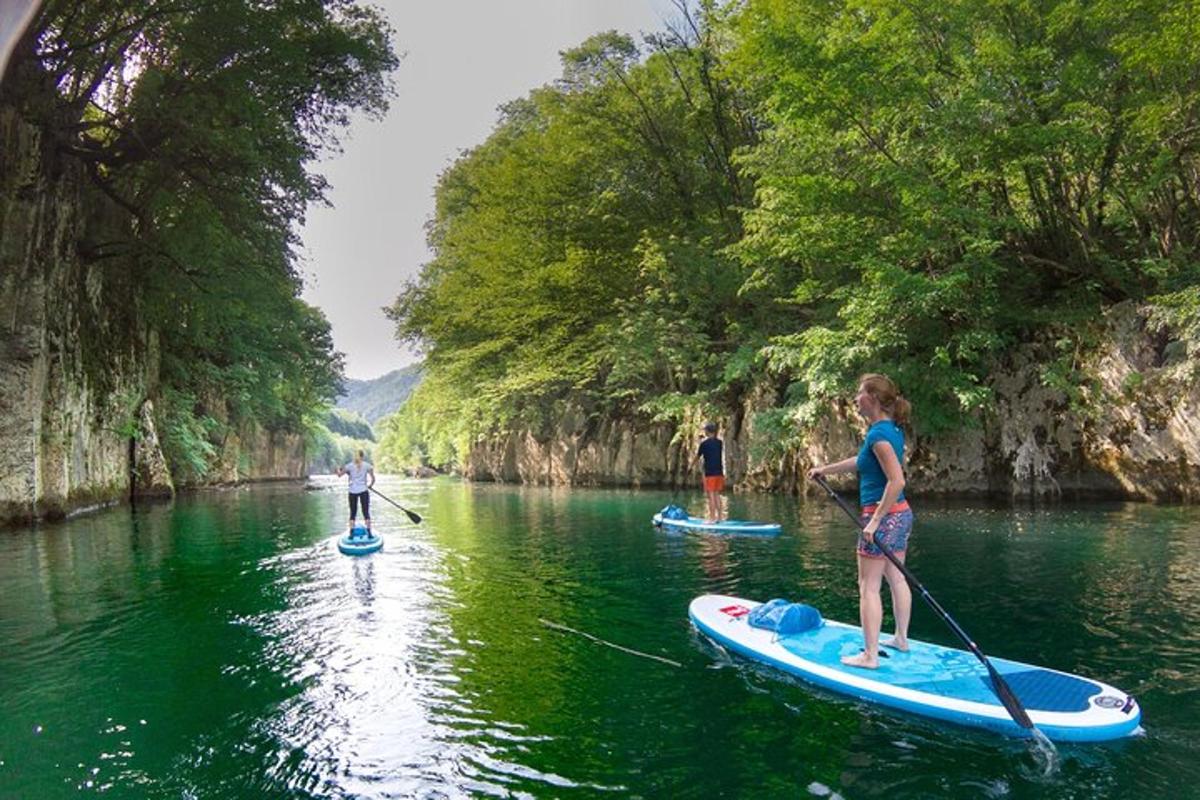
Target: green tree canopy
(202, 120)
(798, 191)
(937, 182)
(578, 250)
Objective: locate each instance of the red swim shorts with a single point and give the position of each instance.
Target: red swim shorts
(714, 483)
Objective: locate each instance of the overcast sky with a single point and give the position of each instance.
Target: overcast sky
(462, 59)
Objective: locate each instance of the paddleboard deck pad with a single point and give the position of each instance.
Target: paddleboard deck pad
(722, 526)
(359, 542)
(930, 680)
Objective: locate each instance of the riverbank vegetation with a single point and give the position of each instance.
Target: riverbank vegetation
(790, 193)
(334, 439)
(199, 124)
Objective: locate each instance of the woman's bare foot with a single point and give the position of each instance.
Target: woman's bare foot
(901, 645)
(861, 660)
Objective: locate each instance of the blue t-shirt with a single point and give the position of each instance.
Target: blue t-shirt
(710, 451)
(871, 478)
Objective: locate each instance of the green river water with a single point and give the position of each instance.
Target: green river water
(221, 647)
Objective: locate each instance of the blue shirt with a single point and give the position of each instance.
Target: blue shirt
(871, 477)
(710, 451)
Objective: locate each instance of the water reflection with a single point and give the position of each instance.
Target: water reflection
(386, 700)
(220, 646)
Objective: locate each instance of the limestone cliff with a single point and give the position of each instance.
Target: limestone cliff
(255, 454)
(74, 363)
(1137, 437)
(78, 366)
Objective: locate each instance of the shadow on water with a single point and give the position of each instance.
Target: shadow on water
(221, 646)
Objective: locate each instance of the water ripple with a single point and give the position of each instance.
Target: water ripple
(222, 647)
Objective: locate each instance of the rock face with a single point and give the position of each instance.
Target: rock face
(78, 367)
(259, 455)
(612, 453)
(74, 364)
(1137, 437)
(151, 477)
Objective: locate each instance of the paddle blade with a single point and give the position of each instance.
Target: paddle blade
(1009, 699)
(414, 516)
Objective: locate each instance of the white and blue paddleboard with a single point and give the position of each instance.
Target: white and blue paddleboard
(359, 542)
(930, 680)
(721, 526)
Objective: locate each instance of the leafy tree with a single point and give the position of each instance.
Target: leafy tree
(327, 449)
(348, 423)
(201, 121)
(798, 191)
(937, 183)
(578, 250)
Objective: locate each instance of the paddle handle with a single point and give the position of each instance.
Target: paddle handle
(1003, 691)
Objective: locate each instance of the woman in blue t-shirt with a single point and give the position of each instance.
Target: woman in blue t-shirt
(880, 467)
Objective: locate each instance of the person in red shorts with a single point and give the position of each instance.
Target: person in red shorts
(711, 452)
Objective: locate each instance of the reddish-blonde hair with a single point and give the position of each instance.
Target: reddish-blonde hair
(887, 394)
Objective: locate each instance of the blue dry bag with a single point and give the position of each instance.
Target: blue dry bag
(785, 617)
(674, 512)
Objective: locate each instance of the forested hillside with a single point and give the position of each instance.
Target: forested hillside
(790, 193)
(349, 426)
(377, 398)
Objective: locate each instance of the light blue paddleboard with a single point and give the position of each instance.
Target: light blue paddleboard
(930, 680)
(723, 526)
(359, 542)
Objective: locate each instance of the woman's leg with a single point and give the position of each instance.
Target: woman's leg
(870, 611)
(901, 602)
(895, 532)
(353, 508)
(366, 504)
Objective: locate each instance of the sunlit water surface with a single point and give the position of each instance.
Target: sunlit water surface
(221, 647)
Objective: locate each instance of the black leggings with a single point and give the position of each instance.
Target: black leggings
(365, 497)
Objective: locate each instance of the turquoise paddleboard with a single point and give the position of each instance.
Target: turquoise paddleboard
(930, 680)
(723, 526)
(359, 542)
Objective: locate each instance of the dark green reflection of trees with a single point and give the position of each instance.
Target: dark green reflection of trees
(137, 637)
(591, 560)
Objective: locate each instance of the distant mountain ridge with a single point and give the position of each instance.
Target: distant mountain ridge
(378, 397)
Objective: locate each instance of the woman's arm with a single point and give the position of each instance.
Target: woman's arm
(895, 484)
(845, 465)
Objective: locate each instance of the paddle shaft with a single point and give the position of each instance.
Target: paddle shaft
(1003, 691)
(414, 516)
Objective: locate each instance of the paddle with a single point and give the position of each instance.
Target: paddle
(414, 516)
(1003, 691)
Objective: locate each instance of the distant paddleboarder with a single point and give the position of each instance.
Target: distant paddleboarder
(711, 452)
(880, 467)
(362, 478)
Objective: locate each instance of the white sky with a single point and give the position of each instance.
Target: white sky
(462, 59)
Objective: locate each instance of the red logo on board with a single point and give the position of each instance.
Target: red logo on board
(735, 611)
